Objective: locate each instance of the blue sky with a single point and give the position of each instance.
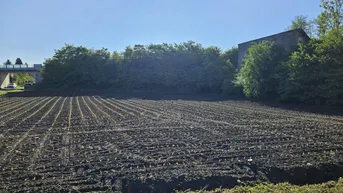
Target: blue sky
(33, 29)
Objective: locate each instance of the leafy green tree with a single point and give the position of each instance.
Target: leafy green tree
(74, 66)
(230, 58)
(213, 65)
(262, 71)
(331, 17)
(302, 21)
(303, 76)
(316, 71)
(331, 59)
(231, 55)
(322, 24)
(22, 78)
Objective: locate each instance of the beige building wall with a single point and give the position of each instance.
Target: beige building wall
(4, 79)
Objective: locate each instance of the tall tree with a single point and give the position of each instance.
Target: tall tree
(18, 62)
(302, 21)
(331, 17)
(262, 71)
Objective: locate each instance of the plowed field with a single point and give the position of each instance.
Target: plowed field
(84, 143)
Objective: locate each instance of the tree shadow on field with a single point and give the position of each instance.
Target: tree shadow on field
(317, 109)
(126, 95)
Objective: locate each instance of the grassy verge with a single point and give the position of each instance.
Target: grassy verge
(328, 187)
(10, 91)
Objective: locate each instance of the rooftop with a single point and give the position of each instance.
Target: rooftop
(299, 30)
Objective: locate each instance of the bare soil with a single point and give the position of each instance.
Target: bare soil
(150, 142)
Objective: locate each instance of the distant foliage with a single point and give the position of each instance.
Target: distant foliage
(22, 78)
(79, 67)
(188, 67)
(8, 62)
(18, 61)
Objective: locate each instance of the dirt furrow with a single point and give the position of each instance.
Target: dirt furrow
(38, 151)
(13, 147)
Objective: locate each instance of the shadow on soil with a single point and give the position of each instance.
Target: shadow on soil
(318, 109)
(296, 175)
(125, 95)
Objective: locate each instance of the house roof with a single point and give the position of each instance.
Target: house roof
(299, 30)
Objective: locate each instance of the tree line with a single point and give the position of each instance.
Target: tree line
(187, 66)
(17, 62)
(312, 73)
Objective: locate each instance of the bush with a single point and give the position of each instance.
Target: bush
(315, 72)
(262, 71)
